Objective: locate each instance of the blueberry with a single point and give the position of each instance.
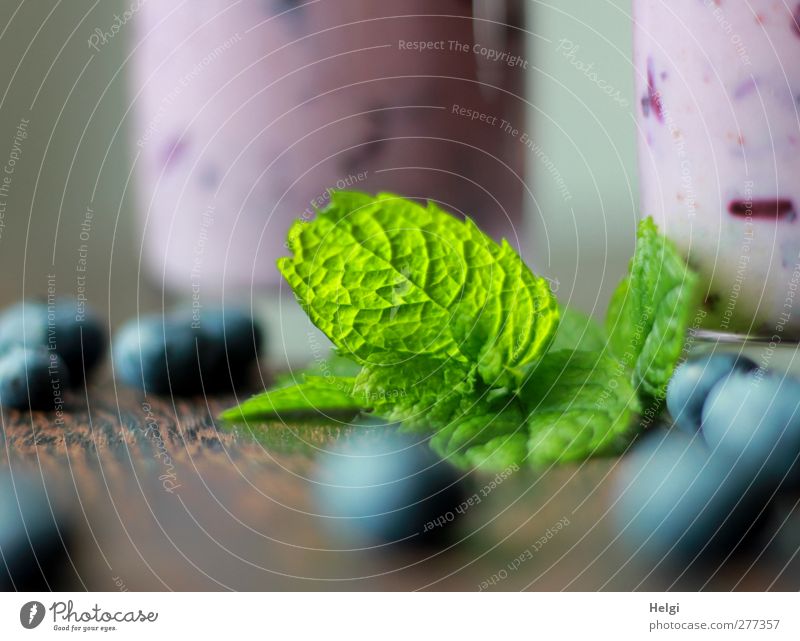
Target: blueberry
(32, 378)
(756, 421)
(81, 338)
(68, 327)
(238, 335)
(678, 501)
(23, 323)
(34, 539)
(159, 354)
(180, 354)
(384, 488)
(693, 380)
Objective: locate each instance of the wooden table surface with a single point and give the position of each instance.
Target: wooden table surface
(160, 498)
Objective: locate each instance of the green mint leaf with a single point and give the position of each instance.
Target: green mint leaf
(575, 405)
(314, 394)
(579, 404)
(424, 393)
(488, 440)
(578, 331)
(334, 364)
(664, 345)
(651, 310)
(618, 340)
(388, 280)
(473, 424)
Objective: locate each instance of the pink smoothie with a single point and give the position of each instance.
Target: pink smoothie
(719, 150)
(246, 114)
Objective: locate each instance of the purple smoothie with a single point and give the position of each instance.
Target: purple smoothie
(719, 150)
(247, 113)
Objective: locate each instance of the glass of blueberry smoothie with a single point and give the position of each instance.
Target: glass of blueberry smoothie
(245, 115)
(719, 152)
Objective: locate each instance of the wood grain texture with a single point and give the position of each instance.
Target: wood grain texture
(159, 498)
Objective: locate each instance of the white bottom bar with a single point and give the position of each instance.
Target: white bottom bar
(379, 616)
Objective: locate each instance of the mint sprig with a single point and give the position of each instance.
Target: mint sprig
(450, 333)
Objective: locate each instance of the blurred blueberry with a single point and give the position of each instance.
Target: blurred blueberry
(81, 338)
(384, 487)
(32, 378)
(23, 323)
(159, 354)
(237, 335)
(677, 501)
(693, 380)
(756, 421)
(68, 327)
(34, 540)
(183, 354)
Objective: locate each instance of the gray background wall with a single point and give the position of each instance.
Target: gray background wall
(75, 154)
(583, 230)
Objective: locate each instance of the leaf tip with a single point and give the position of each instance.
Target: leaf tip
(231, 415)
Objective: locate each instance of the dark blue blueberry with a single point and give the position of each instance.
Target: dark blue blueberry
(383, 487)
(34, 539)
(159, 354)
(238, 335)
(755, 421)
(693, 380)
(71, 329)
(187, 355)
(675, 500)
(81, 338)
(32, 378)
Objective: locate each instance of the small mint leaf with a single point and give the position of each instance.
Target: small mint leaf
(578, 331)
(490, 441)
(579, 404)
(424, 393)
(333, 365)
(314, 394)
(650, 311)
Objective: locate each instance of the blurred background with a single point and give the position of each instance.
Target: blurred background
(77, 157)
